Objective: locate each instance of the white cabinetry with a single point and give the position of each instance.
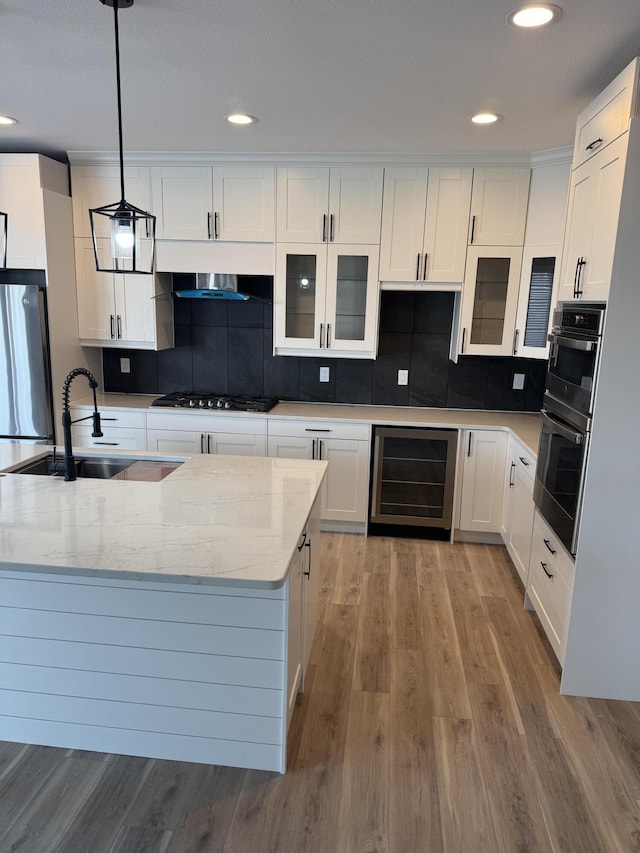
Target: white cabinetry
(592, 224)
(518, 506)
(322, 205)
(482, 480)
(21, 198)
(200, 432)
(499, 206)
(489, 300)
(132, 311)
(122, 429)
(344, 496)
(541, 259)
(94, 186)
(425, 217)
(550, 584)
(228, 203)
(326, 298)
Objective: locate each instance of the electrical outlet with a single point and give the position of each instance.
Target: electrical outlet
(324, 374)
(518, 381)
(403, 377)
(125, 365)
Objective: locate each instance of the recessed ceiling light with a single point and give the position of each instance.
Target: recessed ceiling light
(485, 118)
(8, 120)
(240, 118)
(534, 15)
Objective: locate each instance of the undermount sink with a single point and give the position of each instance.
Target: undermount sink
(106, 468)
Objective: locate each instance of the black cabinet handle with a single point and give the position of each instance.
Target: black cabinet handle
(515, 341)
(424, 269)
(215, 225)
(595, 144)
(112, 321)
(331, 218)
(119, 326)
(307, 574)
(208, 224)
(581, 265)
(418, 267)
(547, 543)
(328, 335)
(311, 429)
(524, 461)
(304, 539)
(324, 228)
(546, 570)
(473, 229)
(107, 443)
(469, 444)
(513, 465)
(575, 278)
(464, 331)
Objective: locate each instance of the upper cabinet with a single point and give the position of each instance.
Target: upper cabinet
(425, 219)
(489, 300)
(95, 186)
(326, 299)
(227, 203)
(592, 223)
(595, 191)
(27, 182)
(541, 259)
(499, 207)
(329, 205)
(132, 311)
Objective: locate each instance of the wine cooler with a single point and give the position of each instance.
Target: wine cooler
(413, 477)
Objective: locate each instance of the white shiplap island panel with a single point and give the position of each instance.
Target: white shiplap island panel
(170, 642)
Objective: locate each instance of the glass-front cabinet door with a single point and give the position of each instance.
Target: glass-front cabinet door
(490, 300)
(351, 305)
(326, 298)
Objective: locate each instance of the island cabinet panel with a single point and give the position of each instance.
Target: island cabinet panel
(178, 671)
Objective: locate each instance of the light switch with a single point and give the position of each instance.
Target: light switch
(403, 377)
(324, 374)
(518, 381)
(125, 365)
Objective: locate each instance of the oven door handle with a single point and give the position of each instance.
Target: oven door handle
(565, 431)
(572, 343)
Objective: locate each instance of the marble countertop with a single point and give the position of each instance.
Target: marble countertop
(524, 425)
(225, 520)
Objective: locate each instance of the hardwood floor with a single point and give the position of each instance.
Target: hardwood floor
(431, 721)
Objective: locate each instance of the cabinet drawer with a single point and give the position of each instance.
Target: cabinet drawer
(112, 417)
(205, 422)
(319, 429)
(553, 550)
(525, 460)
(120, 438)
(607, 117)
(551, 596)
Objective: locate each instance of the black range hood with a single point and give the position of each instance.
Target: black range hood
(223, 286)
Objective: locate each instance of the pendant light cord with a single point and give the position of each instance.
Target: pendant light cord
(115, 18)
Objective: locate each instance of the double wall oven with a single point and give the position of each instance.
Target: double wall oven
(566, 417)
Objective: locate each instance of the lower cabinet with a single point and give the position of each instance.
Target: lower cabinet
(303, 604)
(195, 432)
(550, 584)
(518, 506)
(345, 447)
(122, 429)
(482, 480)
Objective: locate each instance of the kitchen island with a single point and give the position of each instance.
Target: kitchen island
(168, 619)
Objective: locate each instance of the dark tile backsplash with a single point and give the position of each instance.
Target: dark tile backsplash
(226, 347)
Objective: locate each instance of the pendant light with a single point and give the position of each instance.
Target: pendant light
(130, 231)
(4, 217)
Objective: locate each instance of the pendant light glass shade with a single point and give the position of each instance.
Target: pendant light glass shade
(4, 223)
(123, 235)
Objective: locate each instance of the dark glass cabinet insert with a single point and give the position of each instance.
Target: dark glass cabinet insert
(413, 476)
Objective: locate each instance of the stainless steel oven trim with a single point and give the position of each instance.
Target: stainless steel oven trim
(576, 436)
(584, 344)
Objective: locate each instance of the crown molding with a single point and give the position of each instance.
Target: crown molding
(297, 158)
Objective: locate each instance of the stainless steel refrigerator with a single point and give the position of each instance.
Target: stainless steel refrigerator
(26, 402)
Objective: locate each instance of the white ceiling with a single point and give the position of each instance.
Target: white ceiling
(365, 76)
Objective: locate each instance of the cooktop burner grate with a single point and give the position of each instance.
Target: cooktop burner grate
(229, 402)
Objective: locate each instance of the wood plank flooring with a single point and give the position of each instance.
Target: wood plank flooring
(431, 721)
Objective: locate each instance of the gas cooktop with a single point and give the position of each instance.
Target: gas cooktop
(230, 402)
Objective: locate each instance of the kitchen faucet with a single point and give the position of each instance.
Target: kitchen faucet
(68, 466)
